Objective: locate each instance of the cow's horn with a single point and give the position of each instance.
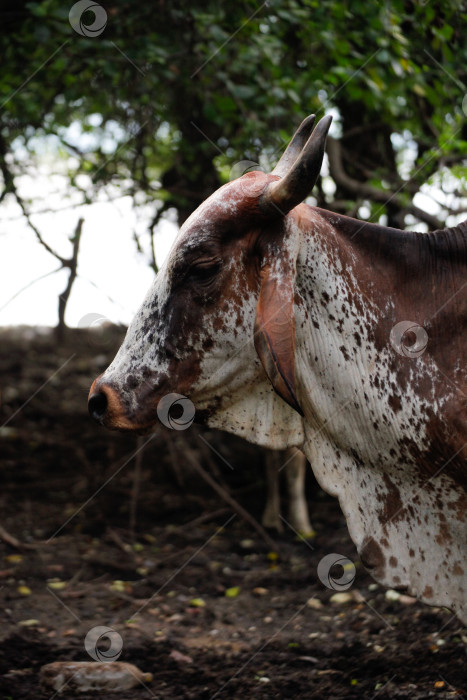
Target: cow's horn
(283, 195)
(295, 147)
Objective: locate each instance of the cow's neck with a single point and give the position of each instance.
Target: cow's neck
(418, 269)
(384, 432)
(355, 389)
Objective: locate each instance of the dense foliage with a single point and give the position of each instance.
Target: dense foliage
(170, 95)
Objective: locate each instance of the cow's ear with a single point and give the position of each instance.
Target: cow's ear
(275, 333)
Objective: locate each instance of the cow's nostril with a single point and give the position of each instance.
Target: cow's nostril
(97, 406)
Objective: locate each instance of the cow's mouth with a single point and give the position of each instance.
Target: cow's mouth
(175, 411)
(202, 416)
(102, 413)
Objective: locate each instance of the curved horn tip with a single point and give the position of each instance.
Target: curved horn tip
(324, 124)
(296, 184)
(307, 122)
(295, 146)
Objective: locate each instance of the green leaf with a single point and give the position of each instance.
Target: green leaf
(232, 592)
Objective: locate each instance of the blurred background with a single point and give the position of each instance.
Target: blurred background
(117, 119)
(130, 116)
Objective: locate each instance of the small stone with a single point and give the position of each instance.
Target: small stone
(314, 603)
(10, 393)
(8, 433)
(341, 598)
(118, 586)
(260, 591)
(29, 623)
(85, 676)
(309, 659)
(176, 617)
(181, 658)
(392, 595)
(56, 585)
(407, 599)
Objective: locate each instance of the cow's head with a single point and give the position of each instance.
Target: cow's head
(217, 326)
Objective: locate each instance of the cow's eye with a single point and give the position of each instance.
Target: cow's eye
(204, 271)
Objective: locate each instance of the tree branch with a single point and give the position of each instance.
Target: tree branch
(155, 220)
(362, 189)
(10, 187)
(72, 264)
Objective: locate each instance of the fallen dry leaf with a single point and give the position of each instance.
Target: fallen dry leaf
(182, 658)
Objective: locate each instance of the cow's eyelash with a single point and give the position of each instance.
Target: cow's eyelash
(205, 262)
(203, 270)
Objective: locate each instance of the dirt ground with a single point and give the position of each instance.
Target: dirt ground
(101, 529)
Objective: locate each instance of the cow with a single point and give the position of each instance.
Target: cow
(293, 326)
(293, 463)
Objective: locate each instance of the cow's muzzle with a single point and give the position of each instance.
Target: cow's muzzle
(134, 410)
(97, 406)
(107, 408)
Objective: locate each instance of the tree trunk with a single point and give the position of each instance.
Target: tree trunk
(72, 264)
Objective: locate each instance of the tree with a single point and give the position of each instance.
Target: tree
(168, 97)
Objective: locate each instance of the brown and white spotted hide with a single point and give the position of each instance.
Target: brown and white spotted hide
(276, 320)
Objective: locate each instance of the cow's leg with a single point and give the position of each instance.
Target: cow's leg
(295, 473)
(272, 510)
